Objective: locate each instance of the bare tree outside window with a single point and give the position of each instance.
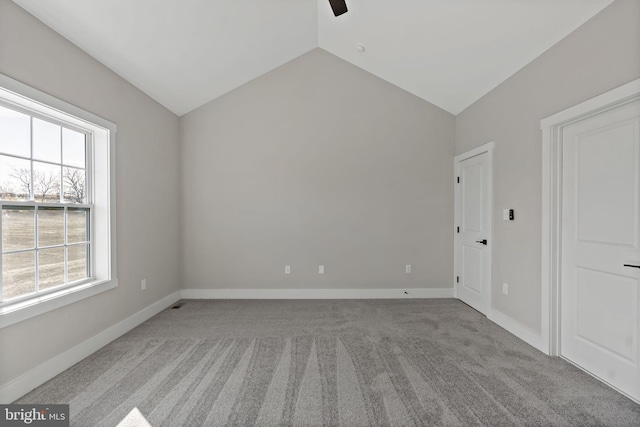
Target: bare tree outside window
(22, 178)
(46, 183)
(74, 180)
(5, 191)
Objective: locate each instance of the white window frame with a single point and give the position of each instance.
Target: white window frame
(101, 166)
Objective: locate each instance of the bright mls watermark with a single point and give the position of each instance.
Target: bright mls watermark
(34, 415)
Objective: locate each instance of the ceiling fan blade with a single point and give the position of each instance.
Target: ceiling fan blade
(339, 6)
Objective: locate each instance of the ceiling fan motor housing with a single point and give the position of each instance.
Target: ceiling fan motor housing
(338, 6)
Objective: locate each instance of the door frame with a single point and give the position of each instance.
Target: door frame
(551, 268)
(488, 149)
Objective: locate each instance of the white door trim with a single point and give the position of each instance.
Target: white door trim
(484, 148)
(552, 202)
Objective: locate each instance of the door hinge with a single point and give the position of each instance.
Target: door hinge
(458, 229)
(457, 279)
(458, 180)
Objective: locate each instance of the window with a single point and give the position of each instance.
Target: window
(56, 203)
(46, 243)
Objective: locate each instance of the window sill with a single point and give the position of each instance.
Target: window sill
(23, 310)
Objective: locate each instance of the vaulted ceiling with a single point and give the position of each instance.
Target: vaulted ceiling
(185, 53)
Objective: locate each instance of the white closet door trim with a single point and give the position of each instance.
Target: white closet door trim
(551, 201)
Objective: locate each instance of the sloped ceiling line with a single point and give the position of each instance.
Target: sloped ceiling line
(187, 53)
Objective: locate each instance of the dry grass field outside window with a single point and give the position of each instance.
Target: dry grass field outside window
(18, 233)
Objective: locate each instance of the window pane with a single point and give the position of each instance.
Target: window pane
(18, 229)
(15, 178)
(46, 182)
(50, 268)
(50, 227)
(73, 148)
(77, 225)
(77, 263)
(74, 185)
(18, 274)
(15, 133)
(46, 141)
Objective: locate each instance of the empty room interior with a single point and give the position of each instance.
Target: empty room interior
(312, 212)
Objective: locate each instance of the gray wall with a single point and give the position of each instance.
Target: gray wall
(147, 185)
(317, 162)
(602, 54)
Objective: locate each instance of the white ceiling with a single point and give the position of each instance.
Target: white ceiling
(185, 53)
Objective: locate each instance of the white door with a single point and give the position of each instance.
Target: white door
(473, 231)
(600, 296)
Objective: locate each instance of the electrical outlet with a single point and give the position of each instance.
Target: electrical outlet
(505, 288)
(143, 284)
(407, 268)
(287, 269)
(321, 269)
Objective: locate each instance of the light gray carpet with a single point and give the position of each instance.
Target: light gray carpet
(312, 363)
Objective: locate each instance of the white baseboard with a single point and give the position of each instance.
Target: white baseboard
(316, 293)
(516, 328)
(22, 385)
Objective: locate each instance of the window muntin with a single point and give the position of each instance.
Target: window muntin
(45, 203)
